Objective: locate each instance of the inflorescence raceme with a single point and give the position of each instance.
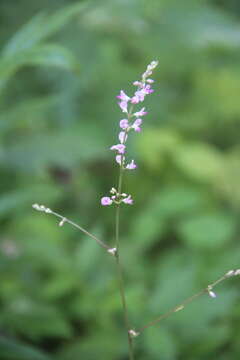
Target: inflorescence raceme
(133, 121)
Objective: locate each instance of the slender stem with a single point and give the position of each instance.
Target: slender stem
(66, 220)
(100, 242)
(182, 305)
(118, 264)
(121, 286)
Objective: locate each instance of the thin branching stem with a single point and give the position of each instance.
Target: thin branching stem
(100, 242)
(182, 305)
(66, 220)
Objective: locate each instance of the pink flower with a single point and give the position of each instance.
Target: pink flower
(128, 200)
(123, 124)
(119, 147)
(147, 89)
(124, 101)
(138, 96)
(123, 96)
(137, 83)
(136, 125)
(106, 201)
(122, 136)
(140, 113)
(120, 159)
(124, 106)
(131, 166)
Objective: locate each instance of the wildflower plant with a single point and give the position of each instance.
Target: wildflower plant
(132, 122)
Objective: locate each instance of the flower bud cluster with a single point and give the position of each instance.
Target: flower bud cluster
(42, 208)
(211, 293)
(230, 273)
(116, 198)
(133, 333)
(133, 121)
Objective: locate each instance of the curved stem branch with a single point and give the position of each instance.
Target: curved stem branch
(182, 305)
(66, 220)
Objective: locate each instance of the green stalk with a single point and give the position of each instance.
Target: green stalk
(119, 267)
(121, 287)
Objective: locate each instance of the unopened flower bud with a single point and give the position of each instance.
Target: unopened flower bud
(230, 273)
(133, 333)
(62, 222)
(112, 251)
(179, 308)
(210, 292)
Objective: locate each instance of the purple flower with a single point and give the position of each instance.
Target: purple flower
(123, 124)
(122, 137)
(123, 105)
(128, 200)
(131, 166)
(140, 113)
(132, 121)
(119, 147)
(120, 159)
(137, 83)
(138, 96)
(106, 201)
(124, 101)
(147, 90)
(123, 96)
(136, 125)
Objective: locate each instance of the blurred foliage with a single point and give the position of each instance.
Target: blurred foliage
(61, 65)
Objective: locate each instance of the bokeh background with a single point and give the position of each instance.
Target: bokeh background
(61, 65)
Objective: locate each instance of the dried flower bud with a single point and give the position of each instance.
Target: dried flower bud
(210, 292)
(62, 222)
(41, 208)
(133, 333)
(112, 251)
(230, 273)
(179, 308)
(36, 207)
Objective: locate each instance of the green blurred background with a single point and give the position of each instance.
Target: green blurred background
(61, 65)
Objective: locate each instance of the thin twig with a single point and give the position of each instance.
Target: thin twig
(66, 220)
(182, 305)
